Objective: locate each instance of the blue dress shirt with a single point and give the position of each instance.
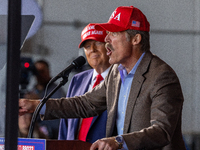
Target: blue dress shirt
(124, 94)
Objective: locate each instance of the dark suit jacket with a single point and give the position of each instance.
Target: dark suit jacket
(154, 108)
(69, 127)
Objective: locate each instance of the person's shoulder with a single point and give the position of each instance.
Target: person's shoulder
(83, 74)
(86, 72)
(159, 68)
(113, 70)
(154, 60)
(159, 63)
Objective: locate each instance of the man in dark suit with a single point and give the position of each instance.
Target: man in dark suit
(141, 93)
(95, 51)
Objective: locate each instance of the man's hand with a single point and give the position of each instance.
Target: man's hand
(105, 144)
(27, 106)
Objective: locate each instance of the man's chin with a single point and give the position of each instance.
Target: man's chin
(111, 61)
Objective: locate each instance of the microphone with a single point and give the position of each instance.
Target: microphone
(77, 63)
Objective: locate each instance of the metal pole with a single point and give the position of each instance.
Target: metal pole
(13, 66)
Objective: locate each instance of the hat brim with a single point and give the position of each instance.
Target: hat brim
(89, 38)
(109, 27)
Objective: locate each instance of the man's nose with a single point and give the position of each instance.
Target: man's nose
(107, 38)
(93, 48)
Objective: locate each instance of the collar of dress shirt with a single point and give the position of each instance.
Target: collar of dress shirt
(123, 72)
(104, 74)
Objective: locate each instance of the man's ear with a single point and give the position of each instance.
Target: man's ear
(136, 39)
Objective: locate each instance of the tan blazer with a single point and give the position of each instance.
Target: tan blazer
(154, 108)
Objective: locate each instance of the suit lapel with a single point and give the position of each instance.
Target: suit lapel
(112, 100)
(87, 81)
(73, 124)
(136, 86)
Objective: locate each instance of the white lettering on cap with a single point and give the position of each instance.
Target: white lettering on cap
(97, 32)
(114, 16)
(118, 17)
(86, 34)
(87, 29)
(91, 27)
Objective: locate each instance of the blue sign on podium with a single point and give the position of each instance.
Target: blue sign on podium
(27, 144)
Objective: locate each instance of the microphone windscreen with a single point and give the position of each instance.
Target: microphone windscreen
(79, 62)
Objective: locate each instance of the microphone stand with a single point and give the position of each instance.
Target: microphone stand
(43, 101)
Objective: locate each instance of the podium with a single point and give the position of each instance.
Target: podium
(48, 144)
(67, 145)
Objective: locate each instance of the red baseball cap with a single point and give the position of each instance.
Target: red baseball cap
(124, 18)
(90, 33)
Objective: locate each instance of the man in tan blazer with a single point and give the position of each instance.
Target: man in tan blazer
(141, 93)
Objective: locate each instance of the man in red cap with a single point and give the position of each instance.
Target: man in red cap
(93, 128)
(141, 93)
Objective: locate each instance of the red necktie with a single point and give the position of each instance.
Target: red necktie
(86, 122)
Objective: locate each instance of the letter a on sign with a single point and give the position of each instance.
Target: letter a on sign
(112, 15)
(118, 17)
